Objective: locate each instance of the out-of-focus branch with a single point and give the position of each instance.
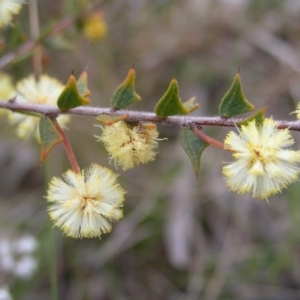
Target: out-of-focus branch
(190, 121)
(33, 42)
(35, 33)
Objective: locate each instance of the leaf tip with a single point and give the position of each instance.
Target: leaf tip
(131, 75)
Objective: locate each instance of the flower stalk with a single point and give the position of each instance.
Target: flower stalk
(68, 148)
(207, 138)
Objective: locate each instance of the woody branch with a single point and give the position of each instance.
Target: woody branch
(53, 111)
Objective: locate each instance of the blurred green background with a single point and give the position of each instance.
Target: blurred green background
(180, 238)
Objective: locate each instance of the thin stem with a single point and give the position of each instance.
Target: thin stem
(134, 116)
(52, 252)
(68, 148)
(35, 32)
(53, 269)
(206, 138)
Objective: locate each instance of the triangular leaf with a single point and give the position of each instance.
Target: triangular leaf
(70, 96)
(170, 103)
(108, 120)
(193, 146)
(82, 85)
(49, 137)
(125, 94)
(258, 117)
(234, 102)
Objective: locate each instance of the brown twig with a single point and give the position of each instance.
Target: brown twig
(134, 116)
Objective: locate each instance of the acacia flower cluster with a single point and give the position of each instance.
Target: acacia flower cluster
(7, 90)
(8, 8)
(130, 145)
(84, 204)
(43, 90)
(264, 165)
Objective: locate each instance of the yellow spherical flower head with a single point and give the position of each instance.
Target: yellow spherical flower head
(7, 90)
(44, 90)
(130, 145)
(85, 204)
(94, 27)
(8, 8)
(264, 164)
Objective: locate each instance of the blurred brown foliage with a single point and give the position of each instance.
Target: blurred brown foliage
(181, 238)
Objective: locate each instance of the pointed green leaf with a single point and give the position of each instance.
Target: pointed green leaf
(170, 103)
(234, 102)
(193, 146)
(258, 117)
(125, 94)
(70, 96)
(49, 137)
(82, 85)
(108, 120)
